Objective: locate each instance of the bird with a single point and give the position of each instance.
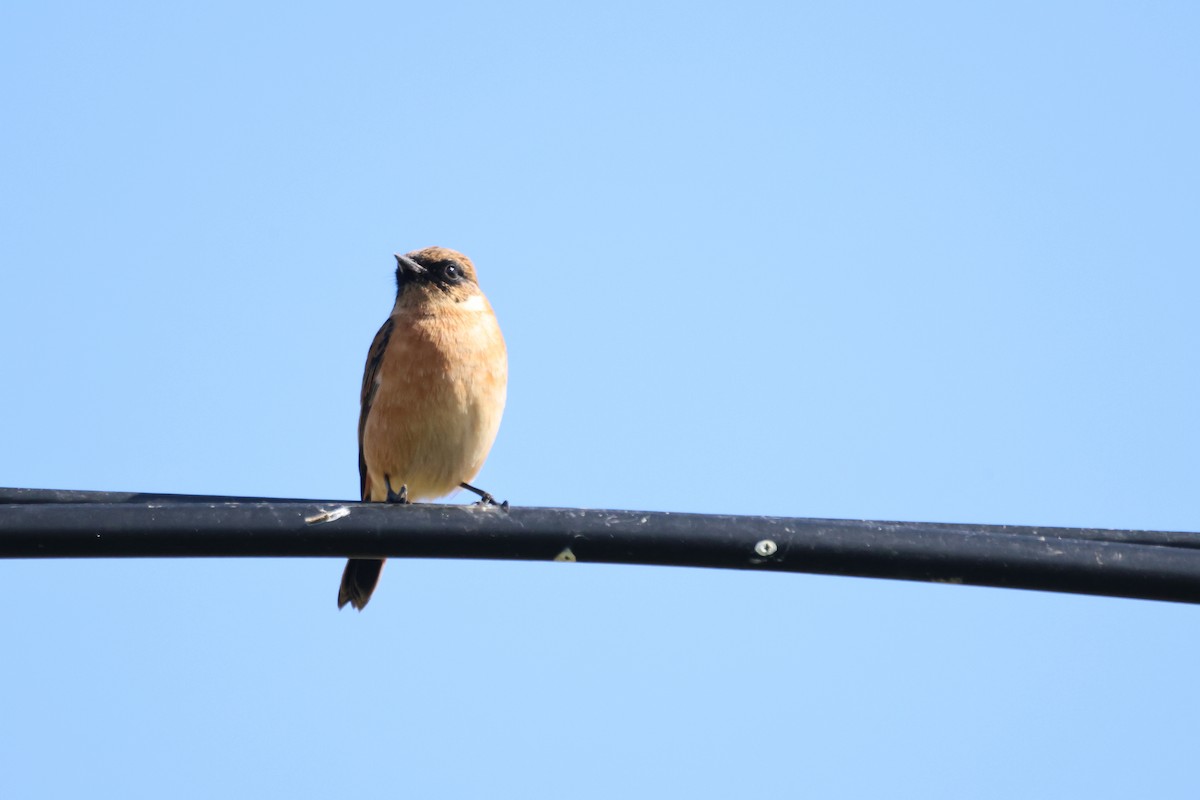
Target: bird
(433, 393)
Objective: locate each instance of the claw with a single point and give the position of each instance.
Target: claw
(396, 497)
(485, 498)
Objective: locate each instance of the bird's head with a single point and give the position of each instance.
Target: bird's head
(434, 277)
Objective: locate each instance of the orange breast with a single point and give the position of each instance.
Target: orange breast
(442, 386)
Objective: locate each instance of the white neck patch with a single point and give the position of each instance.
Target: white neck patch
(473, 303)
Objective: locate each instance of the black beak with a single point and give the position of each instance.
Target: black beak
(405, 264)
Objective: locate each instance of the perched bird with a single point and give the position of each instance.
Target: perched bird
(432, 394)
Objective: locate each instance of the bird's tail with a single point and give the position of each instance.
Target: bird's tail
(358, 581)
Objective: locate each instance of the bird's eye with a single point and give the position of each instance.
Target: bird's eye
(451, 271)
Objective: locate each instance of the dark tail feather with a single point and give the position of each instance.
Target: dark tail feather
(358, 581)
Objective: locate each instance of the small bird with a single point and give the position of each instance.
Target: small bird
(433, 392)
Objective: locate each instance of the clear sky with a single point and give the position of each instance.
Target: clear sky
(910, 261)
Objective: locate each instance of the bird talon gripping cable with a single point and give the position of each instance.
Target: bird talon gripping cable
(432, 394)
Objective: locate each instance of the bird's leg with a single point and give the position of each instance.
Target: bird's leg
(396, 497)
(485, 499)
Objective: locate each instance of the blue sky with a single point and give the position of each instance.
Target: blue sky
(922, 261)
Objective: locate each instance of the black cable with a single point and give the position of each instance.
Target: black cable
(1159, 565)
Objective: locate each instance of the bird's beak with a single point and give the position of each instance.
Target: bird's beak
(406, 264)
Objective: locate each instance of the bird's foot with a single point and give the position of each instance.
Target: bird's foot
(400, 497)
(485, 499)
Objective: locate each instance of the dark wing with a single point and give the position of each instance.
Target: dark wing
(369, 387)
